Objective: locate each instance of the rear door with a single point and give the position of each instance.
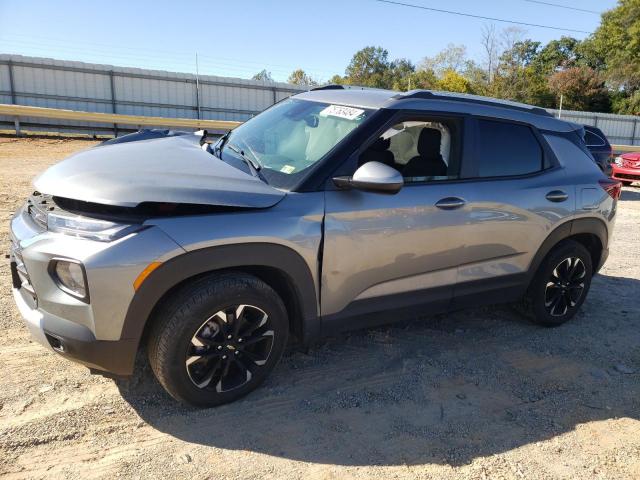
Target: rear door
(516, 194)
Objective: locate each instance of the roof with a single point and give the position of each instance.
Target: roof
(436, 101)
(353, 96)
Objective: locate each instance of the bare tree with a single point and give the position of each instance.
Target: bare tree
(490, 44)
(510, 36)
(451, 58)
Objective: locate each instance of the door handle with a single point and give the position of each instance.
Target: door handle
(450, 203)
(557, 196)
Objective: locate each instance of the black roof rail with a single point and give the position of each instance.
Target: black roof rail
(428, 95)
(332, 86)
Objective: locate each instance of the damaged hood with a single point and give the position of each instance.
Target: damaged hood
(166, 170)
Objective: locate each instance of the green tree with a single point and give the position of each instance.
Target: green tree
(263, 76)
(452, 81)
(300, 77)
(559, 54)
(626, 104)
(424, 79)
(582, 89)
(520, 55)
(400, 74)
(615, 46)
(369, 67)
(478, 76)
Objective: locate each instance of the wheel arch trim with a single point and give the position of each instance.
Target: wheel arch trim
(593, 226)
(225, 257)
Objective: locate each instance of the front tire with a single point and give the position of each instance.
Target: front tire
(217, 338)
(560, 285)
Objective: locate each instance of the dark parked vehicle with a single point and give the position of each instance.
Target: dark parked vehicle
(600, 148)
(318, 215)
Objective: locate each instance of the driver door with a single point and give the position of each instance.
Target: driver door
(396, 251)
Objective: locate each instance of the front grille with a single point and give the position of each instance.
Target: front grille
(19, 272)
(37, 207)
(626, 176)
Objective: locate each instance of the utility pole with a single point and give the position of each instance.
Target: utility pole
(560, 109)
(197, 87)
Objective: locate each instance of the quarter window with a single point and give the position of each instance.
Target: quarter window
(506, 149)
(592, 139)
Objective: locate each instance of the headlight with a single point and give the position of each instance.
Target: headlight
(91, 228)
(618, 161)
(70, 277)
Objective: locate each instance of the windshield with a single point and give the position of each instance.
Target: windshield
(287, 140)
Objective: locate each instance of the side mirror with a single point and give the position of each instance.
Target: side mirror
(372, 177)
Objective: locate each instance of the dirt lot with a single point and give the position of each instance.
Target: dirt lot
(475, 394)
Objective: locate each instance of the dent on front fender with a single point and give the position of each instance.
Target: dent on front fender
(286, 237)
(295, 223)
(112, 273)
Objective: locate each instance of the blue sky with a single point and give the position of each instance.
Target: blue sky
(241, 37)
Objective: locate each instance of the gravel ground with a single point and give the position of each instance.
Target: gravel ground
(474, 394)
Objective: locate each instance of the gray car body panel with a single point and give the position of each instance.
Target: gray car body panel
(166, 170)
(111, 269)
(294, 223)
(404, 243)
(344, 251)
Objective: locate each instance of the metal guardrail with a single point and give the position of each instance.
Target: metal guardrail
(18, 111)
(626, 148)
(22, 111)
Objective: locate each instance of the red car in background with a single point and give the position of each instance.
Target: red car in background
(626, 168)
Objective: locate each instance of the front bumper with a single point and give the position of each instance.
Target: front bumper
(89, 333)
(625, 174)
(77, 342)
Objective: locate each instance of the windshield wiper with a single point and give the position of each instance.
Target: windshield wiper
(217, 148)
(253, 164)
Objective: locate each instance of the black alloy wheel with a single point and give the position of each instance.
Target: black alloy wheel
(229, 347)
(565, 286)
(217, 338)
(559, 286)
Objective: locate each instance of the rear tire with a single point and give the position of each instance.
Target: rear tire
(560, 285)
(217, 338)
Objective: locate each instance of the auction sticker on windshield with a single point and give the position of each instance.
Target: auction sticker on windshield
(288, 169)
(341, 111)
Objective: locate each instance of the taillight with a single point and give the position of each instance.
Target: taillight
(613, 188)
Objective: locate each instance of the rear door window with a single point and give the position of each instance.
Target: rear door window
(506, 149)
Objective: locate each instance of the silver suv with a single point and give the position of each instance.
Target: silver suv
(321, 214)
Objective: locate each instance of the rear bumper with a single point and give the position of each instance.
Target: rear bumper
(625, 174)
(76, 342)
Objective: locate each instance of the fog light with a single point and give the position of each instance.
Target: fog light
(71, 278)
(55, 343)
